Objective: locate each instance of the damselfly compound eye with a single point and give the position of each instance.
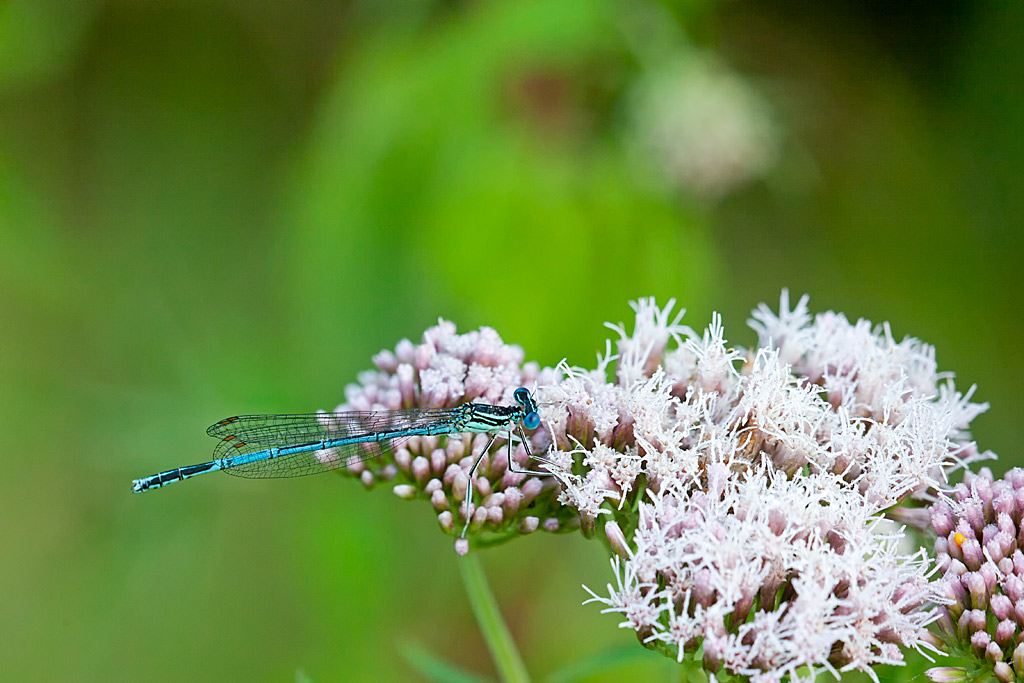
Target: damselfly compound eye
(531, 421)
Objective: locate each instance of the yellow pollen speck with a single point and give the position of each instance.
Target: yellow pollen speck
(959, 539)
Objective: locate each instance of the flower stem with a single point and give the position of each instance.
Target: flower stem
(507, 659)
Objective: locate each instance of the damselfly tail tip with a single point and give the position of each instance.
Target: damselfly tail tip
(138, 485)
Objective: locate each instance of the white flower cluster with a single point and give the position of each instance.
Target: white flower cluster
(750, 486)
(706, 128)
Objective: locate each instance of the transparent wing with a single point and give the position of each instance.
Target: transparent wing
(253, 433)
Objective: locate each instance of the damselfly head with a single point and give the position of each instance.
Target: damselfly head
(522, 396)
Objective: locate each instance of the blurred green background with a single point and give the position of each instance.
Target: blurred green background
(221, 207)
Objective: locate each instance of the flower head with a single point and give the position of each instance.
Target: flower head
(444, 370)
(707, 129)
(758, 479)
(740, 491)
(979, 545)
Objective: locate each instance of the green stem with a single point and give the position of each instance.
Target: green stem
(507, 659)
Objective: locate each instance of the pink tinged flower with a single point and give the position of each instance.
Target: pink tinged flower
(405, 491)
(715, 370)
(423, 355)
(406, 376)
(531, 488)
(1001, 606)
(421, 470)
(963, 625)
(479, 380)
(1003, 672)
(1004, 505)
(1013, 586)
(482, 486)
(990, 574)
(385, 361)
(438, 462)
(460, 485)
(405, 351)
(973, 512)
(713, 647)
(972, 554)
(512, 500)
(494, 515)
(403, 459)
(478, 518)
(1005, 631)
(641, 352)
(450, 473)
(975, 585)
(447, 521)
(616, 539)
(785, 330)
(946, 674)
(977, 623)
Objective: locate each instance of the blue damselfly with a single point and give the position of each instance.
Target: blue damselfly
(268, 446)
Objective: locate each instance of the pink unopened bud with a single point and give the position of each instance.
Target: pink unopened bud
(528, 525)
(513, 497)
(406, 384)
(438, 461)
(973, 557)
(1001, 606)
(460, 486)
(495, 515)
(439, 500)
(479, 517)
(946, 674)
(405, 351)
(421, 470)
(1005, 632)
(616, 539)
(975, 585)
(978, 623)
(531, 488)
(405, 491)
(980, 641)
(403, 458)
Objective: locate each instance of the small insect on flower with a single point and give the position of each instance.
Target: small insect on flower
(266, 446)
